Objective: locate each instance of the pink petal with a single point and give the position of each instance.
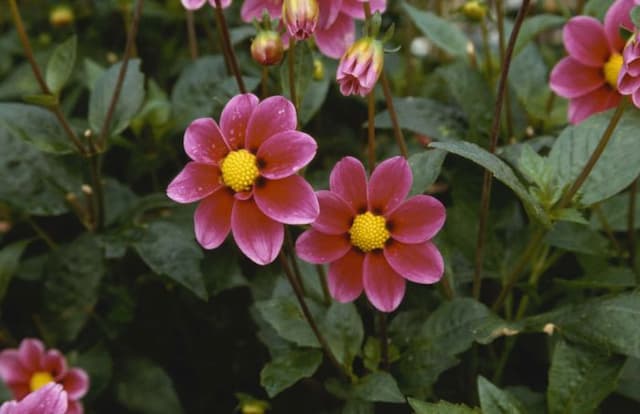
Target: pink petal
(345, 276)
(585, 41)
(628, 84)
(315, 247)
(349, 180)
(597, 101)
(193, 4)
(419, 263)
(274, 114)
(417, 220)
(253, 9)
(31, 354)
(11, 369)
(258, 237)
(570, 78)
(223, 3)
(203, 141)
(284, 154)
(195, 182)
(355, 9)
(383, 286)
(50, 399)
(235, 117)
(212, 219)
(389, 184)
(290, 200)
(75, 407)
(618, 16)
(9, 407)
(328, 12)
(76, 383)
(635, 97)
(335, 216)
(334, 40)
(54, 363)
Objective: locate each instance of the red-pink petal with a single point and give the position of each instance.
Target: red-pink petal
(285, 153)
(75, 407)
(597, 101)
(212, 219)
(383, 285)
(618, 16)
(31, 354)
(349, 180)
(628, 84)
(355, 9)
(315, 247)
(50, 399)
(273, 115)
(258, 237)
(223, 3)
(76, 383)
(570, 78)
(416, 220)
(335, 216)
(11, 369)
(203, 141)
(345, 276)
(253, 9)
(389, 184)
(195, 182)
(635, 97)
(193, 4)
(290, 200)
(585, 41)
(334, 40)
(235, 117)
(420, 263)
(54, 363)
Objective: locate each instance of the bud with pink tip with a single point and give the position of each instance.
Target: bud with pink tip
(300, 17)
(266, 48)
(360, 67)
(629, 76)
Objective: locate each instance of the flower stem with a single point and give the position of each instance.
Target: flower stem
(397, 130)
(384, 340)
(371, 130)
(264, 87)
(41, 233)
(607, 228)
(631, 222)
(322, 278)
(191, 32)
(291, 60)
(294, 264)
(309, 317)
(501, 37)
(227, 48)
(495, 130)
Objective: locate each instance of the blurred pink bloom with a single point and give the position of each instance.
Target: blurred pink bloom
(30, 367)
(196, 4)
(588, 76)
(244, 171)
(360, 67)
(336, 28)
(629, 79)
(372, 237)
(300, 17)
(49, 399)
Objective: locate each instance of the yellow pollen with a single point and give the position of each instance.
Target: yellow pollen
(612, 69)
(369, 232)
(39, 380)
(239, 170)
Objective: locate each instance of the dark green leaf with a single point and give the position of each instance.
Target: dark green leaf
(303, 70)
(535, 25)
(283, 372)
(358, 407)
(35, 125)
(99, 365)
(285, 316)
(425, 167)
(616, 211)
(577, 238)
(313, 99)
(378, 387)
(61, 64)
(629, 379)
(221, 271)
(442, 32)
(344, 332)
(493, 400)
(441, 407)
(9, 261)
(635, 16)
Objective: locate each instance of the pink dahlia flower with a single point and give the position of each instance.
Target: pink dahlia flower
(372, 237)
(360, 67)
(244, 171)
(629, 79)
(49, 399)
(31, 367)
(336, 28)
(196, 4)
(588, 77)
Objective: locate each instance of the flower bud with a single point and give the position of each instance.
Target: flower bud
(266, 48)
(61, 16)
(300, 17)
(475, 11)
(628, 73)
(318, 69)
(360, 67)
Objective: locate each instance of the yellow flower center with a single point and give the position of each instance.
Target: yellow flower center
(39, 380)
(612, 69)
(239, 170)
(369, 232)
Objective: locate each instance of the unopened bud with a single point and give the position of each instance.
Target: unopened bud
(318, 69)
(300, 17)
(266, 48)
(61, 16)
(253, 408)
(86, 189)
(474, 10)
(112, 57)
(360, 67)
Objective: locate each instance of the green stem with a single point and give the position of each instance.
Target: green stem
(264, 87)
(322, 278)
(191, 32)
(291, 59)
(501, 38)
(607, 228)
(371, 130)
(41, 233)
(229, 54)
(397, 130)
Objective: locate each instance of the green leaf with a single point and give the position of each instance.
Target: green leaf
(597, 8)
(9, 261)
(500, 170)
(61, 64)
(577, 238)
(635, 16)
(425, 167)
(344, 332)
(493, 400)
(99, 365)
(616, 211)
(426, 117)
(44, 100)
(441, 407)
(129, 102)
(303, 70)
(535, 25)
(441, 32)
(72, 279)
(534, 167)
(358, 407)
(580, 379)
(629, 379)
(313, 99)
(609, 277)
(93, 71)
(35, 125)
(286, 370)
(378, 387)
(285, 316)
(170, 250)
(221, 272)
(145, 388)
(618, 166)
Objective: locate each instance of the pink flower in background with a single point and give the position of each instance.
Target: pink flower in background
(360, 67)
(244, 171)
(372, 237)
(31, 367)
(588, 76)
(49, 399)
(629, 79)
(196, 4)
(335, 30)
